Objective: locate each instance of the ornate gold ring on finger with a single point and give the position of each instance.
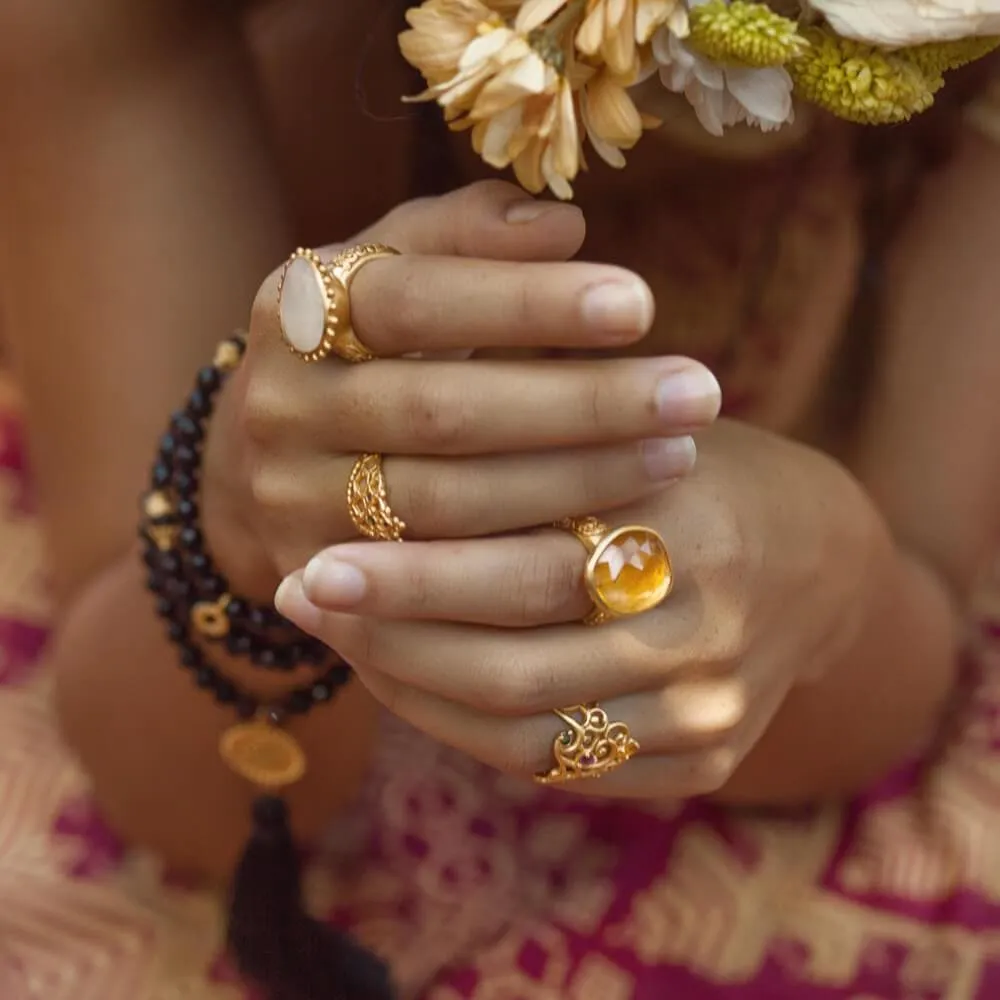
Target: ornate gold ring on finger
(368, 501)
(589, 746)
(314, 302)
(628, 569)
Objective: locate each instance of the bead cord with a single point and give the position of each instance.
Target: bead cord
(187, 585)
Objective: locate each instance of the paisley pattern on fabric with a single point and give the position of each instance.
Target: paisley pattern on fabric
(482, 888)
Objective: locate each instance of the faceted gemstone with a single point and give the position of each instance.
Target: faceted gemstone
(302, 308)
(630, 571)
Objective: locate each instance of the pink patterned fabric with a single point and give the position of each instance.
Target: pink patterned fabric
(481, 888)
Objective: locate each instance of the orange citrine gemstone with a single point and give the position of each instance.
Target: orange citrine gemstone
(630, 572)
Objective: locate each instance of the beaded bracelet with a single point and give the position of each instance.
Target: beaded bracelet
(274, 941)
(175, 552)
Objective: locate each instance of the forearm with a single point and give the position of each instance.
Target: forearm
(876, 704)
(149, 738)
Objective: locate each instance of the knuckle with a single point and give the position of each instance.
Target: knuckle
(712, 772)
(591, 403)
(392, 306)
(540, 588)
(439, 422)
(594, 485)
(728, 641)
(394, 227)
(270, 490)
(361, 645)
(522, 752)
(513, 687)
(264, 413)
(427, 502)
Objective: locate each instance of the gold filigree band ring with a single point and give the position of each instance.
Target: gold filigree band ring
(314, 303)
(589, 746)
(368, 501)
(628, 569)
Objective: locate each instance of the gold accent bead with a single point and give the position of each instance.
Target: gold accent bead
(164, 536)
(227, 356)
(210, 618)
(157, 504)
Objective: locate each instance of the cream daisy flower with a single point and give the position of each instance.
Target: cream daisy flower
(895, 23)
(611, 31)
(489, 77)
(724, 95)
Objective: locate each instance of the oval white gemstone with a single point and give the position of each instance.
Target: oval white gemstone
(302, 309)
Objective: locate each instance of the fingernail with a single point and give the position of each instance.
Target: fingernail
(690, 397)
(669, 458)
(331, 583)
(291, 601)
(521, 212)
(618, 307)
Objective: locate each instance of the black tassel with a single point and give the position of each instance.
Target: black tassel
(276, 945)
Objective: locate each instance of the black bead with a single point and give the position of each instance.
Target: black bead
(186, 484)
(185, 458)
(190, 538)
(299, 702)
(239, 643)
(160, 476)
(257, 618)
(199, 405)
(167, 445)
(209, 379)
(246, 707)
(191, 656)
(321, 692)
(165, 608)
(236, 609)
(186, 429)
(187, 511)
(177, 631)
(170, 563)
(225, 692)
(294, 653)
(198, 562)
(178, 588)
(314, 653)
(205, 678)
(213, 586)
(264, 656)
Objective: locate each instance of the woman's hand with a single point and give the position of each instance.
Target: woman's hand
(474, 447)
(476, 641)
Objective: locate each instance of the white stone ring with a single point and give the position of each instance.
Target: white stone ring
(628, 569)
(314, 303)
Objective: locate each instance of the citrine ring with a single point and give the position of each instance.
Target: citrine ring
(628, 569)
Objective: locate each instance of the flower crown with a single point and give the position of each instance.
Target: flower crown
(533, 79)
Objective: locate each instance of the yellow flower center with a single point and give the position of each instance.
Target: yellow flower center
(860, 83)
(750, 34)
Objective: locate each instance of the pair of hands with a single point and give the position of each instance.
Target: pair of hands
(471, 632)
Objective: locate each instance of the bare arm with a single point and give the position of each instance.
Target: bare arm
(930, 458)
(138, 213)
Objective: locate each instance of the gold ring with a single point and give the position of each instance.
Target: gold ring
(314, 302)
(589, 747)
(368, 501)
(628, 569)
